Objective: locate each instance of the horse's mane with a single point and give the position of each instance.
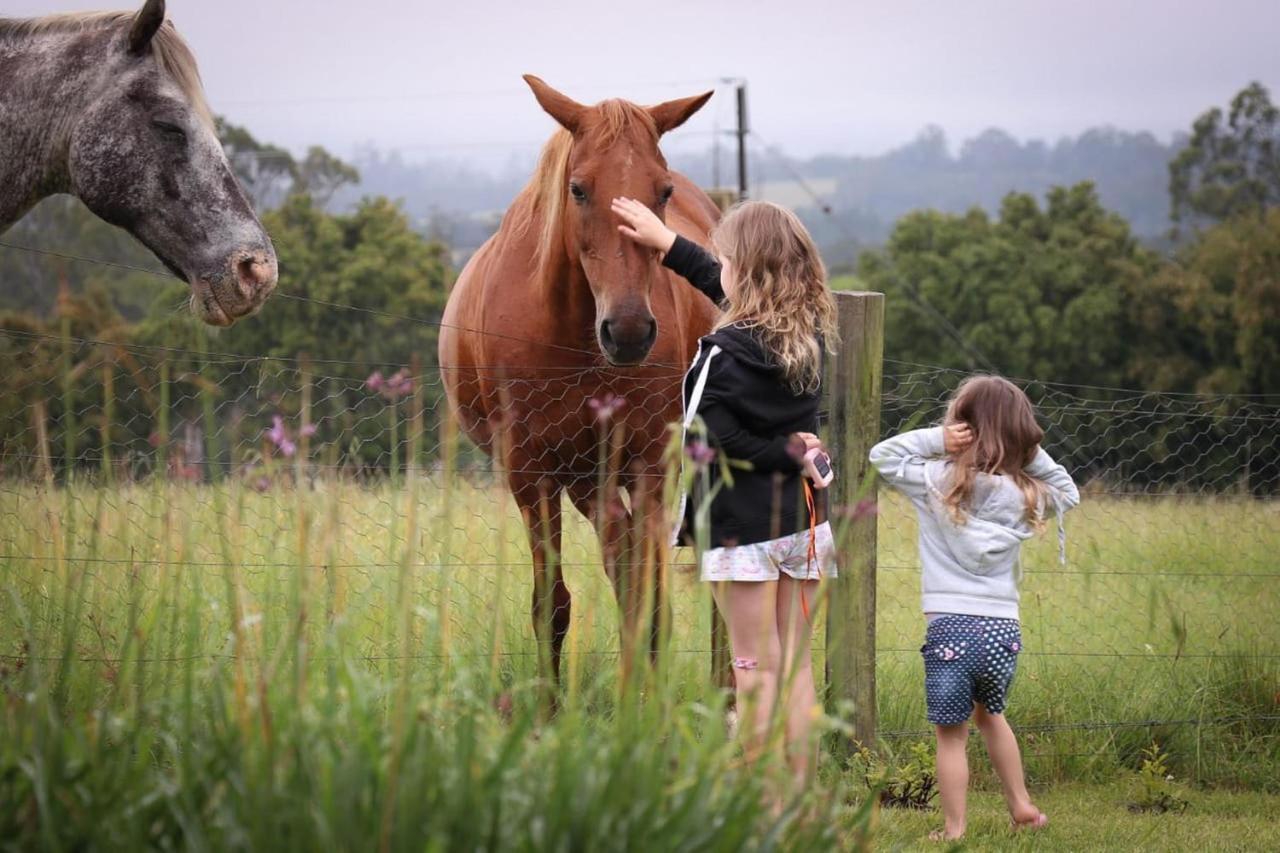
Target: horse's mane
(542, 200)
(169, 48)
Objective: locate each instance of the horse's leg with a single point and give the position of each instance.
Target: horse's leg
(539, 502)
(649, 521)
(637, 573)
(604, 508)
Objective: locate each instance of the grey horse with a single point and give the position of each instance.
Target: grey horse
(108, 106)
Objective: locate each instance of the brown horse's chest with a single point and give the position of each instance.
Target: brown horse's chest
(564, 422)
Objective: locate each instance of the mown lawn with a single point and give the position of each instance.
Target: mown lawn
(1096, 817)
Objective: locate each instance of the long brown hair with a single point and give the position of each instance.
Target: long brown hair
(1005, 438)
(781, 288)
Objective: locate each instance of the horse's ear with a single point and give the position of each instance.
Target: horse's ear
(672, 114)
(560, 107)
(145, 25)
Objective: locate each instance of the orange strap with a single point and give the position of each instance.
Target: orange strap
(811, 562)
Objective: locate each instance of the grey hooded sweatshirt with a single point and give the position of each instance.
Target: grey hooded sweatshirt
(969, 568)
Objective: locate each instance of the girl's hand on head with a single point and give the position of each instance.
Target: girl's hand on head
(956, 437)
(642, 225)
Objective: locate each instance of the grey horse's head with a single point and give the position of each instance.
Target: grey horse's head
(144, 156)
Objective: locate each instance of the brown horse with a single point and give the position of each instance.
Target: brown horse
(558, 318)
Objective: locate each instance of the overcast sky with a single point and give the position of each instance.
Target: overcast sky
(443, 78)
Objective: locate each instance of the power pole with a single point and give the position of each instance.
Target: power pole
(715, 154)
(742, 139)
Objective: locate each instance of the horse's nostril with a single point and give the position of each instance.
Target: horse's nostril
(606, 336)
(653, 333)
(253, 274)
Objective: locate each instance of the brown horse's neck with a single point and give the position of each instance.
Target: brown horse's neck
(562, 287)
(45, 81)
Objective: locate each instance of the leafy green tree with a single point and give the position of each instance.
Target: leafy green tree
(267, 172)
(320, 175)
(271, 174)
(33, 395)
(1035, 293)
(359, 292)
(29, 281)
(1209, 321)
(1231, 164)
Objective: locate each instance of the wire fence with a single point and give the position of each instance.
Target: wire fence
(1171, 561)
(236, 478)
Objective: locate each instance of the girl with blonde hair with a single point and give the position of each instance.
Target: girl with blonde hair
(756, 383)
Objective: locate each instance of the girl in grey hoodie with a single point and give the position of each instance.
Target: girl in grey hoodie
(981, 485)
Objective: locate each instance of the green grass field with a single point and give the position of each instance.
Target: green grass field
(1097, 817)
(340, 664)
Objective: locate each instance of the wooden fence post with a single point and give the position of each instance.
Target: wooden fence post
(852, 385)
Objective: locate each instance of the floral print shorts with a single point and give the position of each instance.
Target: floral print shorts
(764, 561)
(968, 659)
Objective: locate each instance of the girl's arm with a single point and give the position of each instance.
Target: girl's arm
(1053, 475)
(696, 265)
(683, 257)
(736, 441)
(901, 459)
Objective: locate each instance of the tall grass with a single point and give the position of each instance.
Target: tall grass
(345, 666)
(317, 668)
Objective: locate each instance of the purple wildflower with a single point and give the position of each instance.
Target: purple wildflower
(700, 454)
(607, 406)
(277, 432)
(393, 387)
(400, 384)
(279, 436)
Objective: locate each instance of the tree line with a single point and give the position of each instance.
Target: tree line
(1058, 288)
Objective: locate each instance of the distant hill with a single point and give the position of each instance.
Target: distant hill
(461, 204)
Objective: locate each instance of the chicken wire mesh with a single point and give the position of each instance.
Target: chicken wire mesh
(1170, 565)
(254, 486)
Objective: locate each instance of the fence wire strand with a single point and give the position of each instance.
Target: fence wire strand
(111, 471)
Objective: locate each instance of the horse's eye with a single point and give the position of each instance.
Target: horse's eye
(666, 195)
(578, 193)
(169, 129)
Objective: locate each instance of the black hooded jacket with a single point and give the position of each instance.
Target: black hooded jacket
(750, 413)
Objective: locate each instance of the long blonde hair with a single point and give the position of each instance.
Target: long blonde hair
(1005, 438)
(781, 288)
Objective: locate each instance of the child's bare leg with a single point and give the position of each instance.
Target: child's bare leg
(749, 610)
(953, 777)
(800, 697)
(1002, 746)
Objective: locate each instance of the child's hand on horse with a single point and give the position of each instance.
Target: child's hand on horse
(956, 437)
(642, 225)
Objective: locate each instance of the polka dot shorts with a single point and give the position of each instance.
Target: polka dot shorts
(763, 561)
(968, 659)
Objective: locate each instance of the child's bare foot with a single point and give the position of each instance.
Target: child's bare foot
(1030, 818)
(944, 835)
